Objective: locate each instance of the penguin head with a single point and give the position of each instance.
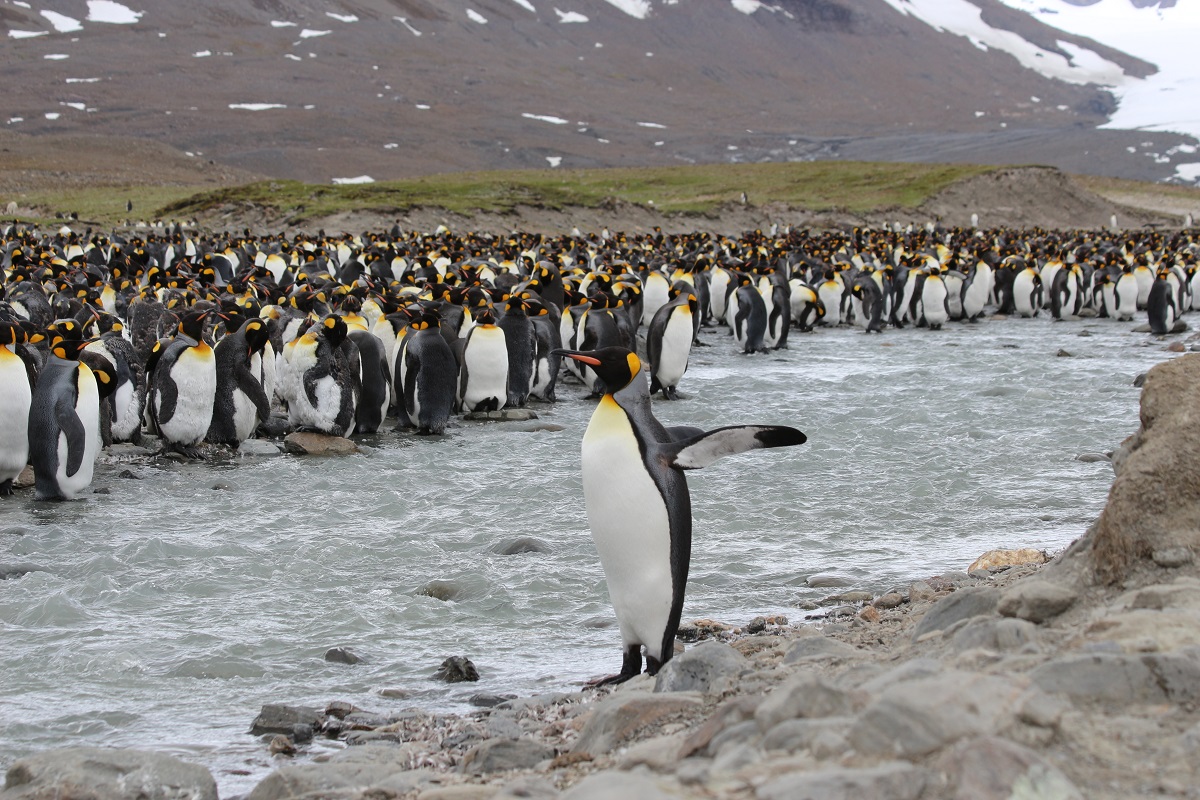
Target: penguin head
(257, 334)
(12, 333)
(191, 324)
(334, 328)
(69, 349)
(616, 366)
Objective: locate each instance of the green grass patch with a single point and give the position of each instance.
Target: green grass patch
(819, 186)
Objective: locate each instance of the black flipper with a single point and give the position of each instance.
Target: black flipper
(70, 425)
(700, 451)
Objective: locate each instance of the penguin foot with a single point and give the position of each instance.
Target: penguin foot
(6, 488)
(609, 680)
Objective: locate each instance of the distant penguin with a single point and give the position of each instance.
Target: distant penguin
(322, 386)
(830, 291)
(15, 397)
(975, 291)
(1160, 305)
(546, 340)
(241, 401)
(182, 381)
(870, 297)
(807, 308)
(638, 505)
(935, 306)
(430, 376)
(1125, 295)
(1027, 292)
(669, 343)
(520, 339)
(750, 322)
(483, 373)
(655, 294)
(64, 423)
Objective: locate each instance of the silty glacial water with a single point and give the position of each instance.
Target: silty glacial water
(163, 614)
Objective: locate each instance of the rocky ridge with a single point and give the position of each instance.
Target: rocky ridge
(1079, 678)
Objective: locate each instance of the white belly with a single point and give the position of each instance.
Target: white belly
(245, 415)
(87, 407)
(195, 376)
(15, 397)
(629, 526)
(486, 362)
(676, 346)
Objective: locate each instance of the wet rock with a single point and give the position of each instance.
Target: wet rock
(340, 709)
(1143, 328)
(489, 700)
(1139, 381)
(220, 486)
(441, 590)
(318, 444)
(660, 753)
(1063, 354)
(911, 719)
(889, 600)
(701, 629)
(258, 448)
(990, 768)
(1172, 557)
(849, 597)
(995, 634)
(25, 480)
(1036, 600)
(499, 755)
(281, 745)
(760, 624)
(102, 490)
(1092, 458)
(341, 655)
(711, 666)
(129, 474)
(1007, 558)
(503, 415)
(616, 785)
(10, 572)
(870, 614)
(1176, 347)
(94, 773)
(457, 669)
(618, 717)
(804, 695)
(827, 580)
(920, 590)
(963, 604)
(279, 718)
(893, 780)
(527, 787)
(818, 648)
(521, 544)
(358, 768)
(462, 791)
(1120, 678)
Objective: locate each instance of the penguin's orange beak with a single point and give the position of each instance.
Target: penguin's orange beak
(590, 360)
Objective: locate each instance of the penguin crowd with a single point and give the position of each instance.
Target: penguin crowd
(199, 336)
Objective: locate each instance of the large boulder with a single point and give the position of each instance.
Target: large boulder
(94, 773)
(1154, 502)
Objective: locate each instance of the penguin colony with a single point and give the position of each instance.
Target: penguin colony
(197, 337)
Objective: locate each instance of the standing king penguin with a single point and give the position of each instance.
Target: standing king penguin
(638, 505)
(15, 397)
(182, 375)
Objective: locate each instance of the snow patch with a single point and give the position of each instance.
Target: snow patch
(76, 106)
(202, 54)
(277, 23)
(650, 125)
(423, 106)
(292, 56)
(554, 160)
(390, 146)
(570, 16)
(256, 106)
(82, 80)
(359, 179)
(639, 9)
(112, 13)
(342, 17)
(56, 56)
(1188, 172)
(747, 6)
(542, 118)
(309, 33)
(403, 21)
(475, 16)
(62, 23)
(52, 115)
(525, 4)
(11, 120)
(26, 34)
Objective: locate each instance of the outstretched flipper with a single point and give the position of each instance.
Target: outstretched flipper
(700, 451)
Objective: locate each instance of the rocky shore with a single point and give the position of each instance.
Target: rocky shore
(1079, 678)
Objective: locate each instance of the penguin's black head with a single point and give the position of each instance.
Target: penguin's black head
(616, 366)
(334, 328)
(428, 320)
(257, 334)
(12, 333)
(69, 349)
(192, 324)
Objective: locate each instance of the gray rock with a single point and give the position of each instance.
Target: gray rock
(1036, 600)
(94, 773)
(1172, 557)
(1120, 678)
(911, 719)
(892, 780)
(489, 699)
(278, 718)
(710, 666)
(827, 580)
(735, 734)
(439, 589)
(1092, 458)
(259, 448)
(995, 634)
(498, 755)
(457, 669)
(341, 655)
(990, 768)
(528, 787)
(824, 738)
(963, 604)
(889, 600)
(519, 545)
(804, 695)
(369, 766)
(818, 648)
(503, 415)
(615, 785)
(618, 717)
(305, 443)
(849, 597)
(911, 670)
(735, 757)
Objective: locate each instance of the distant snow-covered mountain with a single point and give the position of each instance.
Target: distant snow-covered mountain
(323, 89)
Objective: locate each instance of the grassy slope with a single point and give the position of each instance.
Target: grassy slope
(822, 185)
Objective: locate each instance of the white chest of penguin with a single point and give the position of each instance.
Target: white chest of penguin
(627, 515)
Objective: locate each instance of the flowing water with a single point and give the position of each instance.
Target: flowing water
(163, 614)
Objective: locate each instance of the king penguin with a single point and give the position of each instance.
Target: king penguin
(638, 505)
(15, 398)
(64, 423)
(183, 386)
